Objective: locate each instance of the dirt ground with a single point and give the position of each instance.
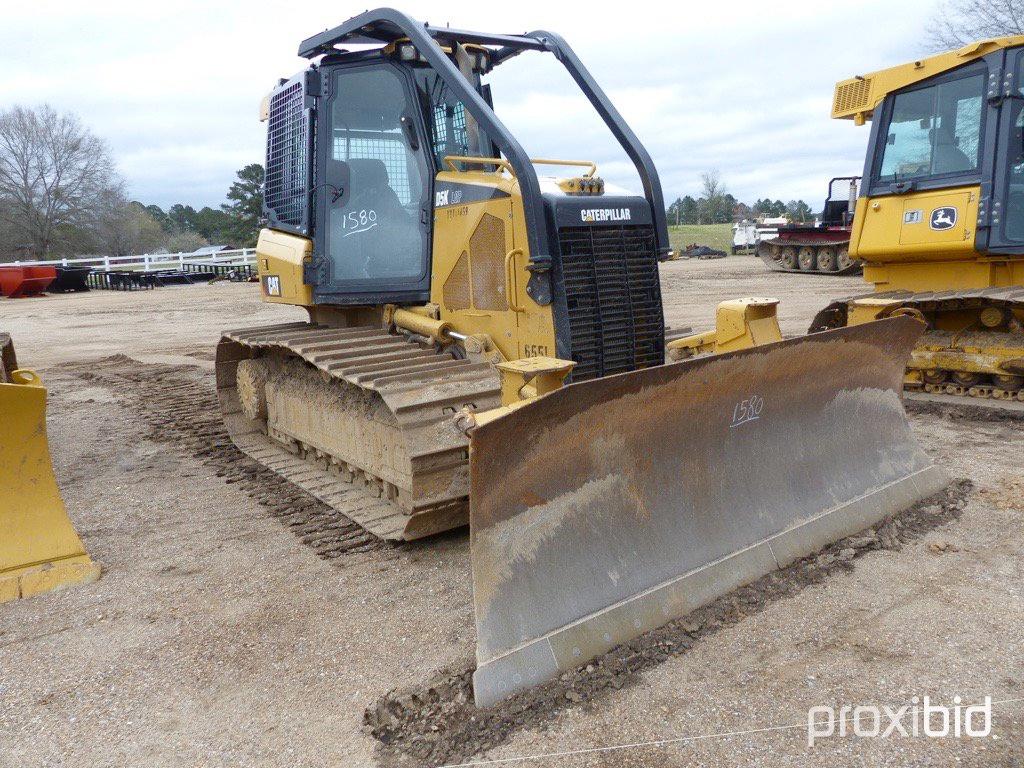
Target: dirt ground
(219, 636)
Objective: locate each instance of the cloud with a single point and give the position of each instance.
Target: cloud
(174, 87)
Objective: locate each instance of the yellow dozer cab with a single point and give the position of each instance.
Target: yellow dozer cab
(486, 344)
(939, 224)
(39, 549)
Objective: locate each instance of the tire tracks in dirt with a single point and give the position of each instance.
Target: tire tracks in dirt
(178, 404)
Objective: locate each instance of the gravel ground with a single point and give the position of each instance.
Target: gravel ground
(217, 637)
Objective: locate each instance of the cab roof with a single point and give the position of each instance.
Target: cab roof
(374, 27)
(859, 96)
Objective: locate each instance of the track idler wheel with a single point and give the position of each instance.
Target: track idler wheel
(827, 261)
(790, 258)
(913, 312)
(843, 259)
(966, 378)
(768, 251)
(935, 376)
(1008, 382)
(806, 258)
(252, 388)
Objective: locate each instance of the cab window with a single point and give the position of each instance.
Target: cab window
(1013, 151)
(453, 131)
(934, 131)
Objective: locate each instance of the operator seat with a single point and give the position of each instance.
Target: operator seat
(371, 189)
(372, 234)
(949, 158)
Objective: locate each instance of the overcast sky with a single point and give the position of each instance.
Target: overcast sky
(175, 87)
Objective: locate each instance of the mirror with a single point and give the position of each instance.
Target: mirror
(410, 133)
(337, 180)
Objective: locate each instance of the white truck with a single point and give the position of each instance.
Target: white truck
(746, 234)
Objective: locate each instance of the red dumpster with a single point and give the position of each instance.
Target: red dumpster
(16, 282)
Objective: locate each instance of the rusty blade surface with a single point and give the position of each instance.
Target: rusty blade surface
(609, 507)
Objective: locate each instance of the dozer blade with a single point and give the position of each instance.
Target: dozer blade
(609, 507)
(39, 549)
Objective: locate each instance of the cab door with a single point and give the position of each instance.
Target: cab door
(372, 243)
(1001, 220)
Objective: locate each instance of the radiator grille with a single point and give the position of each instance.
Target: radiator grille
(614, 299)
(285, 191)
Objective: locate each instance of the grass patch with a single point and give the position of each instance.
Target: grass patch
(717, 236)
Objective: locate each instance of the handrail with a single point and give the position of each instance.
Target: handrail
(451, 160)
(583, 163)
(502, 163)
(511, 284)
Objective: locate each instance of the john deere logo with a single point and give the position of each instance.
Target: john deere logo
(943, 218)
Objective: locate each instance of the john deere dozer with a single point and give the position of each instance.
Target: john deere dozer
(39, 549)
(487, 345)
(940, 221)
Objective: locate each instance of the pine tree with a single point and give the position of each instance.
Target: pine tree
(246, 205)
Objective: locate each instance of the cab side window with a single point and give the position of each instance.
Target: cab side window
(453, 131)
(934, 131)
(1013, 221)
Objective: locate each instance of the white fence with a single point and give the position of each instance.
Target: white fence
(149, 261)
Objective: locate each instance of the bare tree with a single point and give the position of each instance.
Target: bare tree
(55, 176)
(959, 22)
(715, 204)
(711, 185)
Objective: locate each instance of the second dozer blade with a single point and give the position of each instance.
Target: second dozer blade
(609, 507)
(39, 548)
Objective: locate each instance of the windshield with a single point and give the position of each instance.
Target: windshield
(935, 131)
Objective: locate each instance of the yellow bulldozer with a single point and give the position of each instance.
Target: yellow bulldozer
(39, 549)
(486, 344)
(939, 223)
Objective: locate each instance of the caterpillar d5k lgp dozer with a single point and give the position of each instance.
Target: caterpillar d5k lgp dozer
(488, 346)
(940, 221)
